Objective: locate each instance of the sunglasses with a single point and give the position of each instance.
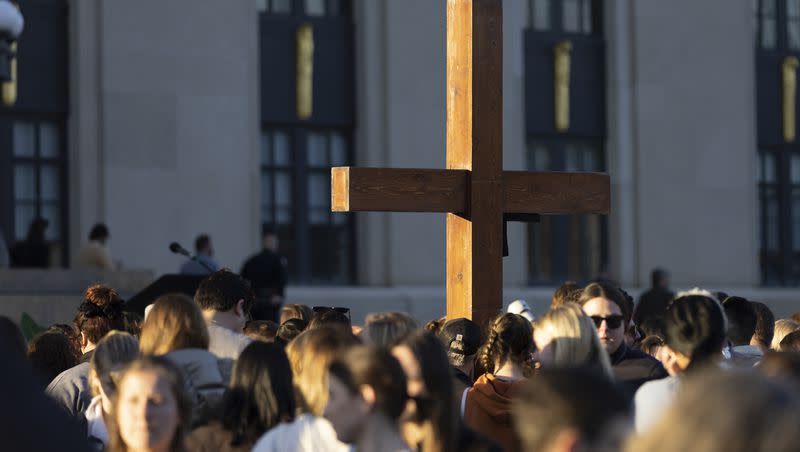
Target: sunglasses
(612, 321)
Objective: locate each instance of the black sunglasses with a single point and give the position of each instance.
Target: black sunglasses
(612, 321)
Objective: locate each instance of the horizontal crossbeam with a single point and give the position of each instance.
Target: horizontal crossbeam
(435, 190)
(398, 190)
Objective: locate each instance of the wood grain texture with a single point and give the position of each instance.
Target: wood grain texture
(475, 143)
(398, 190)
(459, 84)
(556, 192)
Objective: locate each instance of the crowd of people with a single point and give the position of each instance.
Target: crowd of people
(597, 372)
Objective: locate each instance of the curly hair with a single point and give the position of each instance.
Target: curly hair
(510, 337)
(99, 313)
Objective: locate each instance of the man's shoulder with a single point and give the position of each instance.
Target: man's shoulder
(225, 343)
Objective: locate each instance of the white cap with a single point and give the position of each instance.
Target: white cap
(521, 307)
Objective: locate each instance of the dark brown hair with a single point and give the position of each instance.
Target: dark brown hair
(174, 323)
(510, 337)
(99, 313)
(435, 405)
(377, 368)
(261, 330)
(51, 353)
(605, 290)
(790, 342)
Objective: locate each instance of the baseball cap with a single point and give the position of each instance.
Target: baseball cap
(521, 307)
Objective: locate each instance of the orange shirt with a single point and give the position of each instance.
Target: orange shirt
(487, 410)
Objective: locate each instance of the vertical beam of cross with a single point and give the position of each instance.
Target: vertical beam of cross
(475, 143)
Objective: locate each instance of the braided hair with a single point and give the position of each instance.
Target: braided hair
(694, 326)
(510, 337)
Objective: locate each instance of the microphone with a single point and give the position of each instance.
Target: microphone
(176, 248)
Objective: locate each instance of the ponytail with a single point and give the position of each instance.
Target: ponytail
(510, 337)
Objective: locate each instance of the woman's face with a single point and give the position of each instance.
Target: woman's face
(543, 338)
(346, 411)
(147, 412)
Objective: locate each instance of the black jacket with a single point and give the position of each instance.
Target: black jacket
(266, 272)
(632, 368)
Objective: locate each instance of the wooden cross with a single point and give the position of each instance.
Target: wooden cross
(474, 190)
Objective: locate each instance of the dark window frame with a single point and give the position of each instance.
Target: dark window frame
(299, 231)
(38, 162)
(561, 268)
(343, 8)
(556, 17)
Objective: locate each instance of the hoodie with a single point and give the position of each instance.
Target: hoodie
(487, 409)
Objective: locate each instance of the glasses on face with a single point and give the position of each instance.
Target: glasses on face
(612, 321)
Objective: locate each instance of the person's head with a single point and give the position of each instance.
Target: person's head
(36, 230)
(742, 319)
(336, 317)
(790, 342)
(509, 339)
(564, 294)
(269, 239)
(99, 313)
(765, 326)
(364, 382)
(261, 330)
(113, 353)
(296, 311)
(50, 353)
(782, 328)
(652, 326)
(574, 409)
(99, 233)
(783, 365)
(435, 326)
(384, 328)
(260, 395)
(655, 347)
(461, 339)
(202, 245)
(310, 353)
(133, 323)
(659, 278)
(567, 337)
(726, 412)
(173, 323)
(796, 317)
(608, 309)
(694, 331)
(289, 330)
(150, 410)
(429, 386)
(12, 335)
(225, 292)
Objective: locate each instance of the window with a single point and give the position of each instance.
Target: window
(777, 24)
(566, 16)
(566, 247)
(38, 171)
(304, 7)
(295, 193)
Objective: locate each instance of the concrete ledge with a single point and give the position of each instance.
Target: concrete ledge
(58, 281)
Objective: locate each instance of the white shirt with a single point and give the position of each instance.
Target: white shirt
(307, 433)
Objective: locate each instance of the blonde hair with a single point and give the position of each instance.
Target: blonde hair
(310, 354)
(384, 328)
(782, 328)
(575, 340)
(712, 413)
(115, 351)
(175, 322)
